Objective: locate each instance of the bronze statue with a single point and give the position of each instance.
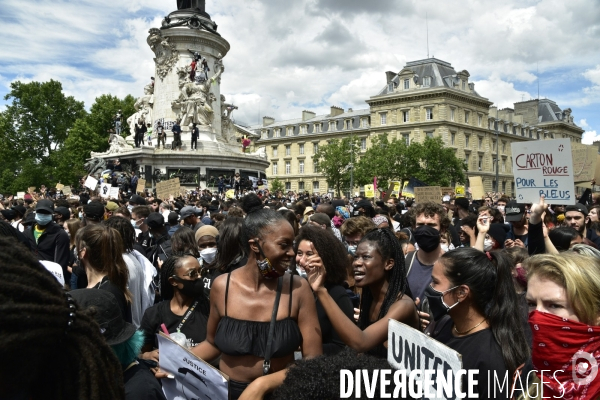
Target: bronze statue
(185, 4)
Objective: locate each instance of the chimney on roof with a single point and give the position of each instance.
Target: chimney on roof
(335, 111)
(349, 110)
(268, 121)
(306, 115)
(389, 75)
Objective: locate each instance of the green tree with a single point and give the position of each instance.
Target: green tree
(388, 161)
(277, 185)
(336, 160)
(32, 130)
(439, 164)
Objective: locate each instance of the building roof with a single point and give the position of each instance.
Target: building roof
(317, 118)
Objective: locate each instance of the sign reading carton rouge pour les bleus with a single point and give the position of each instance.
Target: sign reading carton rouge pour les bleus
(543, 167)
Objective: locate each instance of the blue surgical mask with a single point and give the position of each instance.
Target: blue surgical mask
(352, 250)
(133, 224)
(43, 219)
(80, 215)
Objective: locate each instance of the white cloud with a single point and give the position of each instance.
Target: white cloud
(583, 123)
(590, 137)
(502, 93)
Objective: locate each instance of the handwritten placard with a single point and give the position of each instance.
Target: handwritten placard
(476, 186)
(447, 190)
(66, 190)
(91, 183)
(113, 193)
(428, 194)
(544, 167)
(59, 186)
(165, 189)
(584, 162)
(141, 185)
(20, 195)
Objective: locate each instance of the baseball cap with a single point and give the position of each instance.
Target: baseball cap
(9, 214)
(155, 220)
(111, 206)
(138, 200)
(498, 232)
(187, 211)
(106, 312)
(45, 205)
(94, 210)
(20, 209)
(173, 218)
(514, 211)
(577, 207)
(64, 212)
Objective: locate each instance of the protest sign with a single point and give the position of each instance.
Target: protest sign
(59, 186)
(230, 194)
(584, 162)
(410, 350)
(141, 186)
(544, 167)
(428, 193)
(66, 190)
(447, 190)
(91, 183)
(104, 190)
(113, 193)
(459, 191)
(20, 195)
(31, 189)
(476, 186)
(165, 189)
(193, 378)
(369, 191)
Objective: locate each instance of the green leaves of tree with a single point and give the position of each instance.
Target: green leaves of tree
(336, 159)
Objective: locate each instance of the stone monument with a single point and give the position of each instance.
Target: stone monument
(189, 67)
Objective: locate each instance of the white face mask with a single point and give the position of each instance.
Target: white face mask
(488, 244)
(209, 254)
(501, 209)
(444, 247)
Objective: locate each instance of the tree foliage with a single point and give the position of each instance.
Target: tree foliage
(335, 161)
(393, 160)
(277, 185)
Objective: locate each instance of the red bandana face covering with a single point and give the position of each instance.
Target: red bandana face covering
(573, 347)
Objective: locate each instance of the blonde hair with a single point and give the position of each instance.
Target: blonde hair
(578, 274)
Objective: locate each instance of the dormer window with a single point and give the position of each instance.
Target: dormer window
(427, 81)
(390, 87)
(332, 126)
(406, 84)
(464, 85)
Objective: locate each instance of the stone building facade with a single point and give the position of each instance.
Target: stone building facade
(426, 98)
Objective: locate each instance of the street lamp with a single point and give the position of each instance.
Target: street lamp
(497, 152)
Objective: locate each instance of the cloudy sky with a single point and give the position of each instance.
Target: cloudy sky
(287, 56)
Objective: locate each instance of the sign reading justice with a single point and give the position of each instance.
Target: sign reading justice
(544, 167)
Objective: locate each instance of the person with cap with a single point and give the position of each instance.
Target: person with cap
(138, 218)
(320, 220)
(519, 227)
(363, 208)
(190, 218)
(125, 341)
(61, 214)
(93, 213)
(160, 245)
(135, 200)
(110, 208)
(48, 240)
(9, 215)
(575, 217)
(20, 213)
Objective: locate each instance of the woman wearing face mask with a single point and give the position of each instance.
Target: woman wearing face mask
(489, 236)
(380, 271)
(183, 309)
(476, 290)
(314, 244)
(206, 240)
(272, 301)
(562, 294)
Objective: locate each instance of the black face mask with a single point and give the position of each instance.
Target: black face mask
(436, 302)
(427, 238)
(191, 289)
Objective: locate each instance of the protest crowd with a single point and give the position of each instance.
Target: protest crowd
(280, 291)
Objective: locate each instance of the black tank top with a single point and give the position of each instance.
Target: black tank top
(237, 337)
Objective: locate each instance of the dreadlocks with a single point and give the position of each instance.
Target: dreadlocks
(389, 247)
(41, 357)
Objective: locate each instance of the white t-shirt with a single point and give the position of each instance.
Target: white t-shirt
(18, 225)
(55, 269)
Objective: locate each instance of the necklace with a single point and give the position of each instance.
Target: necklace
(468, 330)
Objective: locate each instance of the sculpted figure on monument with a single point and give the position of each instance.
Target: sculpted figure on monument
(165, 52)
(227, 126)
(143, 105)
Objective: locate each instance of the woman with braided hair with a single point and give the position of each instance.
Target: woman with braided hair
(49, 348)
(379, 270)
(184, 306)
(100, 251)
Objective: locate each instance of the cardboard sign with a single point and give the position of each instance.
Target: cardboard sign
(410, 350)
(105, 190)
(66, 190)
(165, 189)
(369, 191)
(584, 162)
(31, 189)
(476, 186)
(230, 194)
(141, 185)
(113, 193)
(428, 194)
(91, 183)
(59, 186)
(459, 191)
(447, 190)
(20, 195)
(193, 377)
(544, 167)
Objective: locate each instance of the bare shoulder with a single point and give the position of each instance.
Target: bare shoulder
(403, 308)
(218, 285)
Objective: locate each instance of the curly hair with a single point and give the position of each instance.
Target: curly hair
(319, 377)
(330, 249)
(430, 209)
(34, 315)
(357, 225)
